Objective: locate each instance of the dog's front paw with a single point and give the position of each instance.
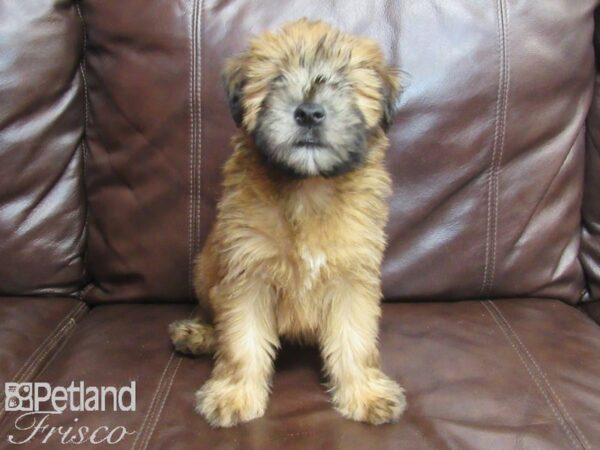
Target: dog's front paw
(225, 404)
(377, 401)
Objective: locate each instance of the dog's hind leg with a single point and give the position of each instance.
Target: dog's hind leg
(192, 336)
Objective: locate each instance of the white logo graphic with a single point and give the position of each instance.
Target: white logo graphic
(38, 401)
(18, 397)
(41, 397)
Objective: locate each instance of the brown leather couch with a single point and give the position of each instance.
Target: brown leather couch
(113, 129)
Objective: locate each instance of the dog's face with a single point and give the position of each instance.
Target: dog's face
(310, 96)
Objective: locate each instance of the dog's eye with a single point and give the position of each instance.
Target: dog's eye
(278, 79)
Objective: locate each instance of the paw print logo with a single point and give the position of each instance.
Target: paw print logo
(18, 397)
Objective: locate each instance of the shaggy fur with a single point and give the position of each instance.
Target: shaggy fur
(299, 237)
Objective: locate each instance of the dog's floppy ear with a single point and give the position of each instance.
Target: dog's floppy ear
(391, 91)
(234, 80)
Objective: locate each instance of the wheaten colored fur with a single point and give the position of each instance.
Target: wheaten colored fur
(297, 257)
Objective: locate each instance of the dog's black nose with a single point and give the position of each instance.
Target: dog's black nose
(309, 114)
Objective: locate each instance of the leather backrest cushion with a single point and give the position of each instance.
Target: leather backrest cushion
(42, 208)
(487, 151)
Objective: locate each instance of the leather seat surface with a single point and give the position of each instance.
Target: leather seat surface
(512, 374)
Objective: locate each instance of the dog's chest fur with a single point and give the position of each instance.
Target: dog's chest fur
(301, 236)
(315, 240)
(307, 254)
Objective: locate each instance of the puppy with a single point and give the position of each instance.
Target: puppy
(299, 237)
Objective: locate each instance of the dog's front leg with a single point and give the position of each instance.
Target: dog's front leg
(247, 339)
(348, 340)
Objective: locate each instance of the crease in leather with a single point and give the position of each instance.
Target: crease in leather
(547, 188)
(119, 176)
(150, 143)
(133, 126)
(35, 365)
(122, 178)
(559, 265)
(132, 275)
(497, 150)
(564, 419)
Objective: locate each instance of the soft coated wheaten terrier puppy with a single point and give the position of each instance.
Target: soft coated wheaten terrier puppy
(299, 237)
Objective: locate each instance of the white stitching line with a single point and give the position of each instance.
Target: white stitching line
(543, 375)
(192, 176)
(57, 349)
(55, 345)
(195, 178)
(71, 322)
(535, 379)
(151, 408)
(498, 141)
(154, 401)
(491, 169)
(66, 335)
(63, 331)
(191, 223)
(34, 359)
(198, 97)
(18, 375)
(502, 133)
(162, 405)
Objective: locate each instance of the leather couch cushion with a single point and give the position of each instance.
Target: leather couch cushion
(42, 210)
(487, 151)
(31, 330)
(478, 375)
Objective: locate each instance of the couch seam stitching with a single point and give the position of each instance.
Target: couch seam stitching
(146, 439)
(66, 335)
(154, 396)
(501, 138)
(198, 97)
(71, 322)
(192, 174)
(24, 371)
(18, 375)
(561, 405)
(490, 169)
(561, 421)
(58, 342)
(191, 213)
(501, 96)
(162, 405)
